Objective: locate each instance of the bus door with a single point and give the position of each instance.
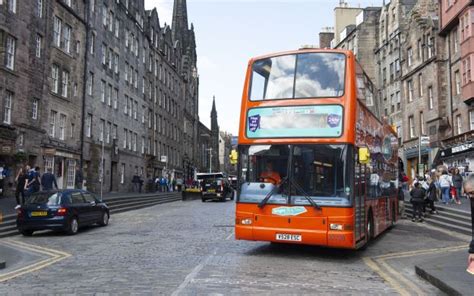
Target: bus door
(359, 197)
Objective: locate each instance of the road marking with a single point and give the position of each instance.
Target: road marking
(380, 265)
(193, 274)
(55, 256)
(230, 236)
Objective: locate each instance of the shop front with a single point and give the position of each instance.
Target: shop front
(460, 156)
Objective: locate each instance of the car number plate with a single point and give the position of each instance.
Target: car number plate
(288, 237)
(39, 214)
(211, 190)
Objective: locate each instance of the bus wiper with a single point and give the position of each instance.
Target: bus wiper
(267, 197)
(306, 195)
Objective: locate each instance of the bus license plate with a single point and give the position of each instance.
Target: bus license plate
(39, 214)
(288, 237)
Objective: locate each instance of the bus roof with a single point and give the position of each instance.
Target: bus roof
(303, 50)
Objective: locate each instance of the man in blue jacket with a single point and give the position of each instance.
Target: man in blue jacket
(47, 180)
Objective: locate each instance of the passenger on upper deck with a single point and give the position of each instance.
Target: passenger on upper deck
(269, 175)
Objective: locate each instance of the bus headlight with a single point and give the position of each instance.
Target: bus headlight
(334, 226)
(247, 221)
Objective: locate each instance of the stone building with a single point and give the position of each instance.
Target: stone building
(361, 38)
(388, 54)
(141, 83)
(204, 146)
(458, 37)
(225, 147)
(43, 49)
(343, 16)
(425, 92)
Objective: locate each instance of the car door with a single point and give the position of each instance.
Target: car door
(93, 209)
(80, 207)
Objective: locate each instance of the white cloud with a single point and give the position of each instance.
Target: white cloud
(164, 8)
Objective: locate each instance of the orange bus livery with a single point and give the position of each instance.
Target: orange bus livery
(304, 117)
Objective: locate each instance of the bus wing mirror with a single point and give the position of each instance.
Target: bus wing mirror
(364, 155)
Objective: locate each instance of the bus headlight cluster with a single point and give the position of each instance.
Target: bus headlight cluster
(335, 226)
(247, 221)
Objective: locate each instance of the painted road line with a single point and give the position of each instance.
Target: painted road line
(55, 256)
(389, 279)
(230, 236)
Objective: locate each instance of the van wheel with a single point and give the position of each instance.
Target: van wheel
(370, 228)
(73, 226)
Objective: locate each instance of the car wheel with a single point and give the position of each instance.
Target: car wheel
(26, 232)
(104, 221)
(203, 200)
(73, 226)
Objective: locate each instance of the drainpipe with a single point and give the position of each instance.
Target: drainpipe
(84, 84)
(450, 85)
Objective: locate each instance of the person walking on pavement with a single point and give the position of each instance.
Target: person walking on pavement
(401, 197)
(20, 180)
(33, 181)
(78, 179)
(457, 183)
(432, 195)
(48, 180)
(417, 198)
(469, 192)
(445, 184)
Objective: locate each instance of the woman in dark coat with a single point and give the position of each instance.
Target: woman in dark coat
(20, 187)
(417, 199)
(457, 183)
(432, 195)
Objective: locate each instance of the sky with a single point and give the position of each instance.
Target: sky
(230, 32)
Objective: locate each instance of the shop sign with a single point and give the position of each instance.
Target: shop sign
(462, 148)
(49, 151)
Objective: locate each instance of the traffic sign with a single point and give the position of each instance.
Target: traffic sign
(425, 140)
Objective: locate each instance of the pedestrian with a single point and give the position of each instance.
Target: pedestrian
(432, 195)
(48, 180)
(374, 183)
(445, 184)
(20, 180)
(135, 182)
(78, 179)
(469, 192)
(401, 197)
(2, 178)
(33, 183)
(162, 184)
(417, 198)
(457, 183)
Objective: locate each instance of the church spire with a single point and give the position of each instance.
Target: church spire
(179, 25)
(214, 124)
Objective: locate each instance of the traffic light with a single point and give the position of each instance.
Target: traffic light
(234, 156)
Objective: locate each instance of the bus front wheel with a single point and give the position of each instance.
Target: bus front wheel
(370, 227)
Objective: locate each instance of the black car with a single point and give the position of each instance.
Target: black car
(215, 186)
(65, 210)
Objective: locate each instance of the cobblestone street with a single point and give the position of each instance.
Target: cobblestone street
(187, 248)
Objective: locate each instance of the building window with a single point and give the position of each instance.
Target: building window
(116, 98)
(117, 28)
(122, 173)
(10, 53)
(11, 6)
(90, 84)
(130, 135)
(471, 120)
(114, 132)
(103, 52)
(456, 40)
(101, 130)
(107, 134)
(466, 75)
(7, 108)
(125, 133)
(92, 45)
(65, 84)
(420, 84)
(116, 63)
(89, 126)
(57, 31)
(430, 97)
(411, 126)
(52, 123)
(39, 8)
(67, 38)
(34, 109)
(55, 78)
(409, 56)
(458, 125)
(102, 91)
(104, 15)
(143, 145)
(62, 126)
(410, 90)
(430, 47)
(39, 45)
(109, 95)
(457, 82)
(135, 139)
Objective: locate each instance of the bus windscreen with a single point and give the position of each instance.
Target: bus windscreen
(305, 75)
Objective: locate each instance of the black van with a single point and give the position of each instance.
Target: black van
(215, 186)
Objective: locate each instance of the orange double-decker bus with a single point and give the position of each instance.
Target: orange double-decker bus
(315, 165)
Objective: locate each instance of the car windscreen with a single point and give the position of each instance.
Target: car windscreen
(50, 199)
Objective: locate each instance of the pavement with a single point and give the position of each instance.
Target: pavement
(7, 204)
(448, 273)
